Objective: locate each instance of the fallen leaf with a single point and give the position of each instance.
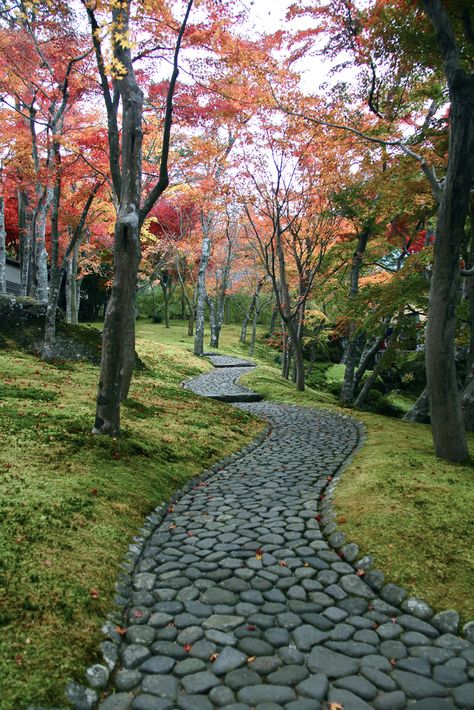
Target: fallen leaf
(328, 478)
(121, 630)
(251, 658)
(214, 657)
(172, 526)
(342, 519)
(282, 563)
(94, 593)
(137, 614)
(19, 659)
(251, 627)
(47, 563)
(187, 647)
(258, 556)
(360, 572)
(336, 706)
(93, 491)
(393, 662)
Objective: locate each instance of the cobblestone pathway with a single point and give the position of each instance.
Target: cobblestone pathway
(240, 603)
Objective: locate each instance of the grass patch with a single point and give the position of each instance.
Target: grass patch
(70, 502)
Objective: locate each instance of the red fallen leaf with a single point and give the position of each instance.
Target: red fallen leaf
(190, 534)
(393, 662)
(121, 630)
(360, 572)
(370, 607)
(258, 555)
(336, 706)
(170, 509)
(328, 478)
(116, 455)
(172, 526)
(7, 465)
(321, 497)
(137, 614)
(317, 517)
(93, 491)
(375, 625)
(341, 554)
(214, 657)
(393, 619)
(187, 647)
(342, 519)
(251, 627)
(94, 593)
(19, 659)
(282, 563)
(20, 539)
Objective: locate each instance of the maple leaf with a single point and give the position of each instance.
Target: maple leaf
(121, 630)
(214, 657)
(251, 627)
(360, 572)
(19, 659)
(250, 659)
(187, 647)
(94, 593)
(282, 563)
(336, 706)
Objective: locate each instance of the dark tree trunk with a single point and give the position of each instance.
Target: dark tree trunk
(201, 284)
(25, 234)
(3, 251)
(445, 404)
(353, 347)
(362, 396)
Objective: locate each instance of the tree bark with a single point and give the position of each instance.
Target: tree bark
(352, 351)
(206, 222)
(25, 235)
(445, 404)
(3, 250)
(420, 412)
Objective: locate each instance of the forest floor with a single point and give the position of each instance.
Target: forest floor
(71, 502)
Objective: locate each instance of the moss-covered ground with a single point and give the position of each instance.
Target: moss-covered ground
(70, 501)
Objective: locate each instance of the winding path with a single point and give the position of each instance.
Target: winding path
(238, 601)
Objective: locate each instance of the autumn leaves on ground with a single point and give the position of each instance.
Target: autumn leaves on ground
(71, 502)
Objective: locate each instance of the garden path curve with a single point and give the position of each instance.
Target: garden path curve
(239, 602)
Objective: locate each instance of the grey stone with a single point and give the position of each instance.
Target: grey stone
(464, 695)
(393, 594)
(277, 637)
(468, 631)
(164, 686)
(395, 700)
(306, 636)
(416, 686)
(194, 702)
(118, 701)
(255, 647)
(450, 677)
(381, 680)
(361, 687)
(241, 678)
(330, 663)
(151, 702)
(81, 697)
(288, 675)
(223, 622)
(446, 621)
(97, 676)
(201, 682)
(134, 655)
(352, 584)
(266, 664)
(157, 665)
(159, 619)
(255, 694)
(417, 607)
(316, 686)
(347, 699)
(415, 665)
(393, 649)
(413, 624)
(350, 551)
(228, 660)
(127, 680)
(188, 666)
(431, 704)
(220, 695)
(141, 635)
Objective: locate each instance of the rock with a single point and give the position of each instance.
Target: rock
(316, 686)
(199, 682)
(332, 664)
(164, 686)
(256, 694)
(446, 621)
(347, 699)
(119, 701)
(97, 676)
(361, 687)
(418, 687)
(228, 660)
(81, 697)
(352, 584)
(468, 631)
(417, 607)
(393, 594)
(223, 622)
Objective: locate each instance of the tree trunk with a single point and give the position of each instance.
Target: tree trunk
(213, 324)
(206, 222)
(243, 330)
(41, 255)
(273, 319)
(420, 412)
(447, 421)
(24, 229)
(354, 343)
(3, 250)
(380, 365)
(191, 322)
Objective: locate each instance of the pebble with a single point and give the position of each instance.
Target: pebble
(238, 601)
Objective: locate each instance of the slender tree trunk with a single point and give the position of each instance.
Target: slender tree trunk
(41, 255)
(273, 319)
(353, 346)
(3, 250)
(243, 330)
(206, 222)
(191, 322)
(166, 303)
(25, 234)
(362, 396)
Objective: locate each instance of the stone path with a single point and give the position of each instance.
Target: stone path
(238, 602)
